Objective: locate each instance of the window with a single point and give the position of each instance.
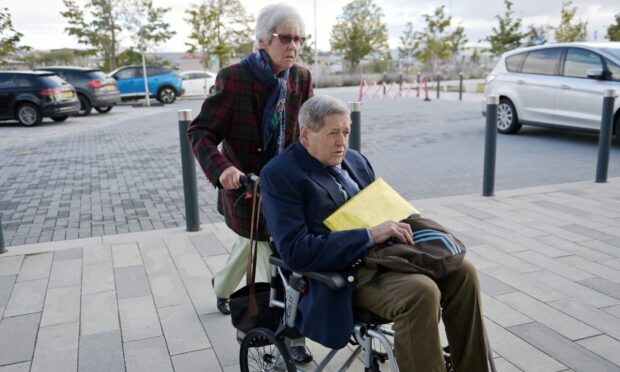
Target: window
(613, 51)
(614, 69)
(513, 62)
(128, 73)
(542, 61)
(75, 76)
(578, 61)
(22, 81)
(6, 80)
(150, 71)
(95, 75)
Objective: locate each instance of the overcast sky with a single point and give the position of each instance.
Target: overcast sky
(43, 26)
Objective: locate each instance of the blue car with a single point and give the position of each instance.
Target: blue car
(163, 84)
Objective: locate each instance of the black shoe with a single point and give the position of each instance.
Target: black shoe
(222, 306)
(222, 303)
(301, 354)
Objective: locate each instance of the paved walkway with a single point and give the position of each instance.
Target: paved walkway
(548, 258)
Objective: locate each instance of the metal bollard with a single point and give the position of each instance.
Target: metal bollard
(190, 190)
(604, 138)
(418, 85)
(438, 81)
(490, 146)
(460, 86)
(384, 82)
(2, 247)
(355, 137)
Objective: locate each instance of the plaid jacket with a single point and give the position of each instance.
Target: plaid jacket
(232, 117)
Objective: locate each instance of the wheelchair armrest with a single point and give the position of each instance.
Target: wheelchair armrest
(330, 278)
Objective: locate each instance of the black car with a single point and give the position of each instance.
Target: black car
(94, 88)
(29, 96)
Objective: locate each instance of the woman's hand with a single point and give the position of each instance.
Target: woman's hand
(229, 179)
(391, 229)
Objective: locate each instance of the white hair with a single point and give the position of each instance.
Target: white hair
(316, 108)
(272, 16)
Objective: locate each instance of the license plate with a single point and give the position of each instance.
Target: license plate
(110, 87)
(67, 94)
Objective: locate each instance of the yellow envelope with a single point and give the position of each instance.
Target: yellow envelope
(375, 204)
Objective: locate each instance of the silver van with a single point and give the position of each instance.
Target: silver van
(558, 85)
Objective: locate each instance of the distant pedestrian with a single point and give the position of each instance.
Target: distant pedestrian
(253, 116)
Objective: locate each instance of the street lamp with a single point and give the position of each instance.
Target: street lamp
(316, 51)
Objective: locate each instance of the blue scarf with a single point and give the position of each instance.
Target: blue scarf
(273, 123)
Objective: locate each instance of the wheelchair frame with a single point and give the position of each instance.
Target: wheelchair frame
(363, 332)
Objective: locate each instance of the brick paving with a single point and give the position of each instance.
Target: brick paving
(548, 259)
(120, 172)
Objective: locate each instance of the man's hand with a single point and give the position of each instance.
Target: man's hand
(391, 229)
(230, 178)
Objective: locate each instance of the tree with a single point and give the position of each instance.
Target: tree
(536, 35)
(219, 27)
(613, 31)
(99, 31)
(507, 36)
(306, 53)
(201, 18)
(567, 31)
(359, 31)
(408, 43)
(147, 25)
(457, 40)
(9, 37)
(436, 43)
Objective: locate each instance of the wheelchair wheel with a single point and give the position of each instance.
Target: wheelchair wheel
(261, 350)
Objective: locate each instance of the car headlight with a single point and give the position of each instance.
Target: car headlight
(490, 78)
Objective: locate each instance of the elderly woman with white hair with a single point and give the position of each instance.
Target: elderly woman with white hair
(253, 116)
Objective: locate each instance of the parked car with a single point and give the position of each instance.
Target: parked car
(557, 85)
(163, 84)
(198, 83)
(94, 88)
(29, 96)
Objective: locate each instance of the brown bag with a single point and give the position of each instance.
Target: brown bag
(435, 252)
(249, 305)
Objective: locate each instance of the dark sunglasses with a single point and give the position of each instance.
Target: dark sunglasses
(286, 39)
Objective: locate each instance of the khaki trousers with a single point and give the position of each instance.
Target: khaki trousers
(227, 279)
(414, 303)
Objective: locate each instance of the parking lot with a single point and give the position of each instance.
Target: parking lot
(120, 172)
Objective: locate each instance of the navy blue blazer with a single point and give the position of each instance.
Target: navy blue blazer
(298, 194)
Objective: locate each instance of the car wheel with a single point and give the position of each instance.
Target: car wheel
(507, 119)
(166, 95)
(85, 106)
(60, 118)
(29, 115)
(212, 89)
(103, 109)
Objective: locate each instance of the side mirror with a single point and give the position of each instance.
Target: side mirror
(594, 73)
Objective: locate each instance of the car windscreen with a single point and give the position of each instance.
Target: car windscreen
(614, 52)
(96, 75)
(51, 80)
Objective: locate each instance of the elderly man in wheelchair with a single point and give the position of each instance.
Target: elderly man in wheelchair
(300, 188)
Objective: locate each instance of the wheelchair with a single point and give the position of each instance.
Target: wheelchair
(263, 349)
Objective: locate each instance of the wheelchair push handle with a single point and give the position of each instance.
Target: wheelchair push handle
(249, 181)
